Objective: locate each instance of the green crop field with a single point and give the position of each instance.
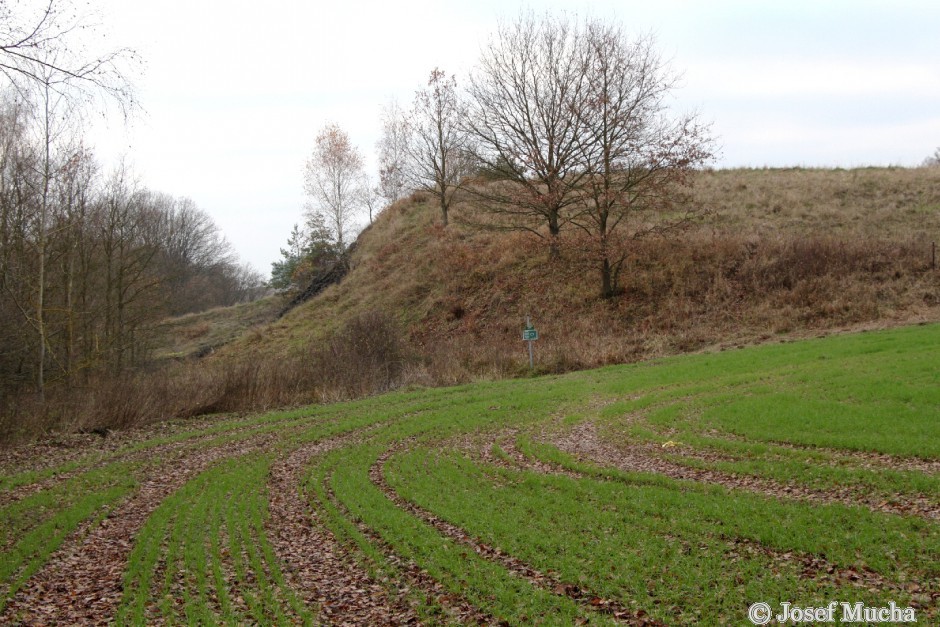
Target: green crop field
(678, 491)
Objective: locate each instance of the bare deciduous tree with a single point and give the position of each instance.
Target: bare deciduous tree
(52, 113)
(57, 40)
(392, 151)
(523, 125)
(333, 180)
(370, 196)
(933, 160)
(18, 162)
(110, 257)
(46, 56)
(131, 232)
(638, 158)
(569, 123)
(438, 144)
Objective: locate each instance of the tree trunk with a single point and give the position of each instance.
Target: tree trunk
(40, 307)
(554, 228)
(608, 285)
(41, 249)
(442, 198)
(70, 320)
(609, 271)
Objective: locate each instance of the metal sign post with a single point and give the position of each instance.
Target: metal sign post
(529, 334)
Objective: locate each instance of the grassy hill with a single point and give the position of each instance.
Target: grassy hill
(784, 252)
(678, 491)
(197, 335)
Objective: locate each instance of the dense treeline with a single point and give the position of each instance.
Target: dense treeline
(90, 260)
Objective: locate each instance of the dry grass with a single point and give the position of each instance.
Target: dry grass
(198, 334)
(366, 356)
(784, 252)
(901, 203)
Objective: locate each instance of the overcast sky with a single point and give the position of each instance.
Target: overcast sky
(235, 92)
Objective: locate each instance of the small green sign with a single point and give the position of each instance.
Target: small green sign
(530, 334)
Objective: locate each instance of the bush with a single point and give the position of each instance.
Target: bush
(366, 356)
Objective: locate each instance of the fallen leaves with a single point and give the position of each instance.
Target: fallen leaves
(81, 583)
(583, 441)
(318, 568)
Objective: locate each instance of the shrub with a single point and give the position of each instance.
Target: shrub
(366, 356)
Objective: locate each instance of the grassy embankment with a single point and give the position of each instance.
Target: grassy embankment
(783, 252)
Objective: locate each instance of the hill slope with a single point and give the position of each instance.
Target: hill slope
(784, 252)
(199, 334)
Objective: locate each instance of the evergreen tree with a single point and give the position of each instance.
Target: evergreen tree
(308, 250)
(282, 272)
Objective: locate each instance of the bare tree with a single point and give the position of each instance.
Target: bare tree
(370, 196)
(131, 230)
(521, 118)
(392, 149)
(569, 124)
(75, 196)
(191, 238)
(333, 180)
(46, 57)
(638, 158)
(55, 107)
(88, 266)
(438, 144)
(18, 161)
(247, 284)
(49, 121)
(57, 39)
(933, 160)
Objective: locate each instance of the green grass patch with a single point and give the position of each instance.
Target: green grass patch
(207, 542)
(876, 392)
(35, 526)
(665, 547)
(813, 413)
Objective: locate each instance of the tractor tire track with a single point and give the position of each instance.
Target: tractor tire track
(583, 442)
(925, 594)
(457, 608)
